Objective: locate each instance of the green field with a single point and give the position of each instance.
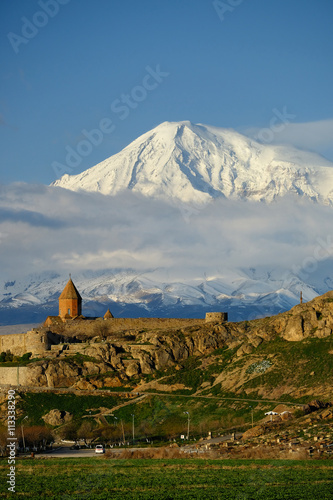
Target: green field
(103, 478)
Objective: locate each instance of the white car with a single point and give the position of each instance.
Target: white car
(99, 448)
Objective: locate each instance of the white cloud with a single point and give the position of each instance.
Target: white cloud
(314, 136)
(65, 231)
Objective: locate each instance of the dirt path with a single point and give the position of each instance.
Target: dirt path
(107, 392)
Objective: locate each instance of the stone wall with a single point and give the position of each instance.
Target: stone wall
(216, 317)
(15, 343)
(13, 375)
(37, 341)
(150, 323)
(34, 341)
(71, 307)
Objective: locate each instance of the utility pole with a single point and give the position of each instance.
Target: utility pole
(188, 424)
(301, 298)
(23, 433)
(122, 428)
(133, 426)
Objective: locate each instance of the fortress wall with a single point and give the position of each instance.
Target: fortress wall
(20, 343)
(15, 343)
(142, 323)
(13, 375)
(219, 317)
(36, 342)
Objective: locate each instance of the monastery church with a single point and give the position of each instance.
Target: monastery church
(70, 306)
(70, 301)
(39, 340)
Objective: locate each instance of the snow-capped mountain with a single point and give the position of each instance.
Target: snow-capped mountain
(245, 294)
(251, 246)
(179, 161)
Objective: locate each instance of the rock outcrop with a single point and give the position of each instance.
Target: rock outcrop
(115, 359)
(57, 417)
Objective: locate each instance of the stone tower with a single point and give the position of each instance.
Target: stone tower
(70, 301)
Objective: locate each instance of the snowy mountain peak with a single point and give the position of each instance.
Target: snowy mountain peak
(195, 163)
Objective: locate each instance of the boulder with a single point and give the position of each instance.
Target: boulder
(327, 414)
(132, 368)
(86, 385)
(256, 341)
(294, 329)
(61, 374)
(258, 430)
(36, 376)
(244, 349)
(57, 417)
(112, 382)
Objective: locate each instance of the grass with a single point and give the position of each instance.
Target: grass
(161, 416)
(19, 362)
(192, 375)
(166, 479)
(293, 362)
(35, 405)
(275, 363)
(79, 359)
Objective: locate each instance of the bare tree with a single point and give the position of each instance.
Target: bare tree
(37, 435)
(69, 431)
(85, 432)
(3, 440)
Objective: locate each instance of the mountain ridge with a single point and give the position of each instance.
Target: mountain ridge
(244, 294)
(180, 161)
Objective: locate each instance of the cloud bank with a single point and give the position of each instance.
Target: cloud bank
(311, 136)
(46, 228)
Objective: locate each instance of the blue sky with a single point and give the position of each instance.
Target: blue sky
(228, 64)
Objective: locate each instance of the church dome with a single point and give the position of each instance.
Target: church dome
(108, 314)
(70, 291)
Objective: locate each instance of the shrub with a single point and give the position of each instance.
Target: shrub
(26, 356)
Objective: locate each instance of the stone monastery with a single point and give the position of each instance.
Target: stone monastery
(70, 306)
(42, 339)
(39, 340)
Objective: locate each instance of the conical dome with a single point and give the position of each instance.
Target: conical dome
(108, 314)
(70, 291)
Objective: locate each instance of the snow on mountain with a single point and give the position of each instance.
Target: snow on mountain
(179, 161)
(190, 164)
(244, 294)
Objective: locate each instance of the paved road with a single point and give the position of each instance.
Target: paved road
(67, 452)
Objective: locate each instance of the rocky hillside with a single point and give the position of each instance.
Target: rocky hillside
(281, 357)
